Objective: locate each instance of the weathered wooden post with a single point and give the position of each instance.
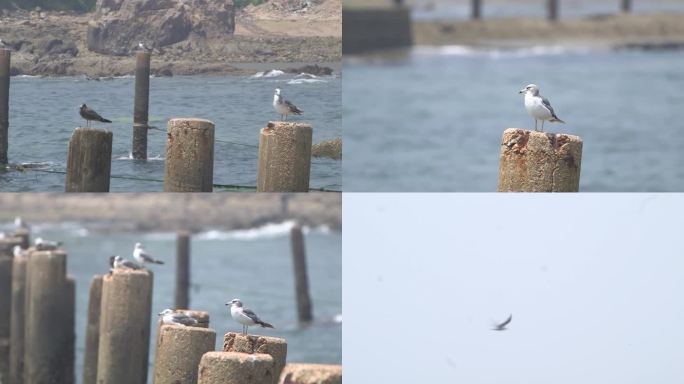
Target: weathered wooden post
(5, 55)
(182, 269)
(17, 320)
(49, 331)
(6, 249)
(89, 160)
(475, 9)
(251, 344)
(534, 161)
(284, 157)
(92, 341)
(179, 351)
(236, 368)
(300, 274)
(552, 10)
(626, 6)
(125, 315)
(189, 164)
(142, 104)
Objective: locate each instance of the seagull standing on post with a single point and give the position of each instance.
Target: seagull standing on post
(121, 263)
(245, 316)
(169, 316)
(284, 107)
(90, 115)
(538, 106)
(142, 257)
(46, 245)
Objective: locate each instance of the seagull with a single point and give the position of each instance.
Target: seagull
(169, 316)
(284, 107)
(46, 245)
(538, 106)
(19, 223)
(245, 316)
(142, 257)
(19, 252)
(90, 115)
(2, 44)
(120, 263)
(502, 326)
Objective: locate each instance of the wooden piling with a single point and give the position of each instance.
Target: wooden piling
(626, 6)
(141, 105)
(182, 269)
(49, 330)
(125, 315)
(300, 274)
(311, 374)
(235, 368)
(252, 344)
(92, 340)
(5, 55)
(189, 164)
(284, 157)
(6, 272)
(475, 9)
(89, 160)
(552, 10)
(179, 351)
(17, 320)
(534, 161)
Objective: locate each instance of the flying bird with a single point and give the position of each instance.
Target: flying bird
(46, 245)
(502, 326)
(284, 107)
(538, 106)
(142, 257)
(245, 316)
(169, 316)
(90, 115)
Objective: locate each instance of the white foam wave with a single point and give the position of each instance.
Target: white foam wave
(129, 156)
(496, 53)
(306, 75)
(305, 81)
(270, 73)
(269, 230)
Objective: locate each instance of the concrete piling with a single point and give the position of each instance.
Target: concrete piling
(189, 164)
(235, 368)
(300, 274)
(252, 344)
(5, 55)
(17, 320)
(6, 272)
(125, 315)
(141, 105)
(179, 351)
(182, 269)
(284, 157)
(49, 330)
(626, 6)
(532, 161)
(311, 374)
(89, 160)
(475, 9)
(92, 333)
(552, 10)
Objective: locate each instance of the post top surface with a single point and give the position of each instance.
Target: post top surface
(183, 328)
(253, 357)
(189, 119)
(268, 339)
(541, 134)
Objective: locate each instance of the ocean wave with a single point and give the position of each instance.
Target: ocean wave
(305, 81)
(270, 73)
(306, 75)
(269, 230)
(496, 53)
(129, 156)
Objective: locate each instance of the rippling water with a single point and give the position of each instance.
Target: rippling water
(432, 119)
(254, 265)
(44, 113)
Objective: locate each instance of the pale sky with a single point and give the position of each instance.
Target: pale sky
(595, 283)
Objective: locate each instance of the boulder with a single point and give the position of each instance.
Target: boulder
(119, 25)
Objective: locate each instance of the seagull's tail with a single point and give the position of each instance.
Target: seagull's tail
(557, 120)
(157, 261)
(265, 324)
(106, 121)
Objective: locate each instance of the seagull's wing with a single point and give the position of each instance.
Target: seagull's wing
(131, 264)
(184, 319)
(293, 108)
(548, 106)
(505, 323)
(249, 313)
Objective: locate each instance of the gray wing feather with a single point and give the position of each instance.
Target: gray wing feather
(249, 313)
(131, 264)
(184, 319)
(507, 321)
(548, 106)
(293, 108)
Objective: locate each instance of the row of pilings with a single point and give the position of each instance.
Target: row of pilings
(37, 322)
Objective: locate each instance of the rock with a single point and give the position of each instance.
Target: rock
(330, 148)
(48, 46)
(313, 70)
(120, 24)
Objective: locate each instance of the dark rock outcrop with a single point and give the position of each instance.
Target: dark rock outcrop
(120, 24)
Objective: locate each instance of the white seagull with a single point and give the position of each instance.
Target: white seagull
(144, 47)
(284, 107)
(169, 316)
(18, 251)
(2, 44)
(538, 106)
(120, 263)
(19, 223)
(142, 257)
(46, 245)
(245, 316)
(502, 326)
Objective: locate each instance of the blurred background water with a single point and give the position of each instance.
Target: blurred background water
(431, 118)
(251, 264)
(44, 113)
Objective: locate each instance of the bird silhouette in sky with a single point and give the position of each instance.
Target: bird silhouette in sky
(502, 326)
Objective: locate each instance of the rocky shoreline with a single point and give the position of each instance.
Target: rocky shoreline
(55, 44)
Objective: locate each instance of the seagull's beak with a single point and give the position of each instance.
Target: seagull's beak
(159, 314)
(523, 91)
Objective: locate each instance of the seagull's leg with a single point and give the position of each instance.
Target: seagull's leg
(542, 125)
(535, 124)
